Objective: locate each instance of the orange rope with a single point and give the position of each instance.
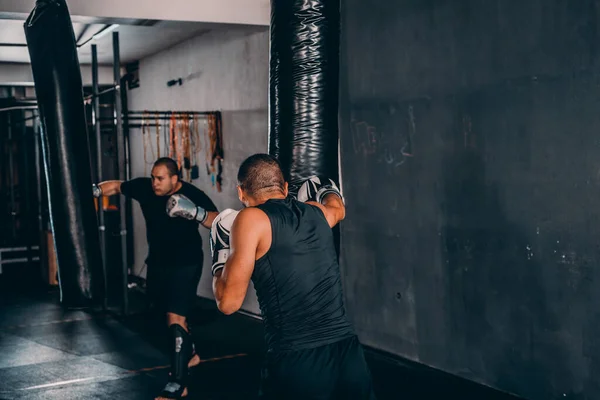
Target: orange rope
(186, 145)
(172, 128)
(179, 141)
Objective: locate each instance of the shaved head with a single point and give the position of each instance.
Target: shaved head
(261, 174)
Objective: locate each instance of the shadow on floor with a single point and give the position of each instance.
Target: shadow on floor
(47, 352)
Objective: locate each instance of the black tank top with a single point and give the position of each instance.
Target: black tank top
(297, 282)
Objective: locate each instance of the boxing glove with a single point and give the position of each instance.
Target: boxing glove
(316, 188)
(220, 232)
(180, 206)
(96, 190)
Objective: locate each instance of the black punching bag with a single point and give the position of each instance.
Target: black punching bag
(59, 91)
(303, 88)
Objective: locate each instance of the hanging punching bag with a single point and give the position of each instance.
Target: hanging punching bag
(303, 88)
(59, 90)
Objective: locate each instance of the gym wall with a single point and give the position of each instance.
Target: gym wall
(230, 74)
(470, 167)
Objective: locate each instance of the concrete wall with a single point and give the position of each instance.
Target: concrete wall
(228, 71)
(469, 136)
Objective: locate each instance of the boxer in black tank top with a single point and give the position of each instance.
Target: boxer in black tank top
(286, 247)
(298, 281)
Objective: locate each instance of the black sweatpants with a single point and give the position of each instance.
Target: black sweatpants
(173, 289)
(334, 371)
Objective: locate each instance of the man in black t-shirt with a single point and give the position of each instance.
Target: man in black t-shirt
(173, 210)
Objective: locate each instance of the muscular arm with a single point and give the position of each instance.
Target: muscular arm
(201, 199)
(332, 207)
(110, 188)
(210, 217)
(249, 234)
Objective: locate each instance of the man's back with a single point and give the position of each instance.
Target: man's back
(298, 280)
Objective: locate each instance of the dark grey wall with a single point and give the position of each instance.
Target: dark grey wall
(470, 151)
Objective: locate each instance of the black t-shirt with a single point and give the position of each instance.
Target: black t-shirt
(175, 241)
(298, 282)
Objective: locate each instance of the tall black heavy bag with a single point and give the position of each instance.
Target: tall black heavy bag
(59, 90)
(303, 88)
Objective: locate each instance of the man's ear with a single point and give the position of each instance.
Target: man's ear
(240, 194)
(285, 189)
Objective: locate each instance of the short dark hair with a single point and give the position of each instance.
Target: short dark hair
(169, 163)
(261, 173)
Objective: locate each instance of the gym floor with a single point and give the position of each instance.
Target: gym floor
(47, 352)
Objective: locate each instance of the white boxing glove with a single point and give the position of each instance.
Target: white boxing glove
(316, 188)
(180, 206)
(219, 238)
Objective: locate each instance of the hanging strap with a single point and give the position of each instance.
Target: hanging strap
(157, 124)
(145, 142)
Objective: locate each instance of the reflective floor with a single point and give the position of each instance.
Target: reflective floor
(47, 352)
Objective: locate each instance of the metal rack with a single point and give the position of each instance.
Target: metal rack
(9, 260)
(132, 118)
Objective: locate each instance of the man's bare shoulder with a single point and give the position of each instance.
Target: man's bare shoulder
(252, 215)
(253, 224)
(318, 206)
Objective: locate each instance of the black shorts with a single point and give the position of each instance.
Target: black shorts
(333, 371)
(173, 289)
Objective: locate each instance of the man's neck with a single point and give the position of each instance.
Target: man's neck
(263, 199)
(176, 188)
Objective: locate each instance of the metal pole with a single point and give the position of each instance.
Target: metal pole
(26, 182)
(96, 122)
(125, 113)
(12, 108)
(11, 183)
(38, 172)
(38, 176)
(122, 172)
